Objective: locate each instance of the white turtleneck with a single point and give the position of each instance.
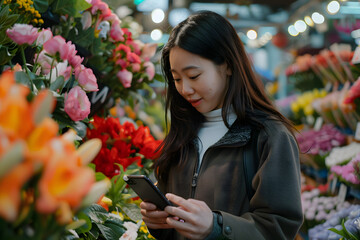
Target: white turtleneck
(212, 130)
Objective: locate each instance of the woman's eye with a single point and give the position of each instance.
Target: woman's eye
(177, 79)
(194, 77)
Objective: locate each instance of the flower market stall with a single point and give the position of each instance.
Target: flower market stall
(327, 111)
(75, 117)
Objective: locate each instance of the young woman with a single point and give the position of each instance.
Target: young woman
(216, 106)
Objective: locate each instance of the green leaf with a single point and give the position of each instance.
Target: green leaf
(99, 176)
(41, 5)
(23, 78)
(85, 227)
(9, 21)
(108, 233)
(57, 84)
(39, 83)
(96, 213)
(336, 231)
(132, 211)
(6, 55)
(348, 235)
(83, 38)
(4, 11)
(80, 128)
(70, 7)
(116, 225)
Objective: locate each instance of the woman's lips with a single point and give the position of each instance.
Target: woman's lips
(196, 102)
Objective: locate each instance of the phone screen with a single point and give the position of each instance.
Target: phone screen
(146, 190)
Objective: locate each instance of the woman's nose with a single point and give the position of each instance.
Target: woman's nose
(186, 88)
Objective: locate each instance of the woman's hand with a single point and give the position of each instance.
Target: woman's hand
(193, 218)
(153, 217)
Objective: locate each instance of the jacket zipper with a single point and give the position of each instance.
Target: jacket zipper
(195, 177)
(197, 169)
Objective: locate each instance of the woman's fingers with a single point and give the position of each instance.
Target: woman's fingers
(187, 205)
(153, 217)
(147, 206)
(194, 218)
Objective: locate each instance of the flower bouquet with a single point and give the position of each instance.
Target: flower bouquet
(302, 107)
(57, 67)
(45, 182)
(120, 62)
(342, 224)
(125, 150)
(318, 207)
(302, 75)
(348, 173)
(84, 56)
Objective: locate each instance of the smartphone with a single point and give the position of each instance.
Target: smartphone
(146, 190)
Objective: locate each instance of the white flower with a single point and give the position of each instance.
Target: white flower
(131, 232)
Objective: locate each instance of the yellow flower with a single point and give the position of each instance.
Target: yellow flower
(119, 214)
(308, 110)
(295, 107)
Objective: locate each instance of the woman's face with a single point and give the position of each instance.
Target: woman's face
(199, 80)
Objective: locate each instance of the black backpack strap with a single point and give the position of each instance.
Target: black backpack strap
(251, 162)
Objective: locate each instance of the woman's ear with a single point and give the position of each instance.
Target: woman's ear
(228, 71)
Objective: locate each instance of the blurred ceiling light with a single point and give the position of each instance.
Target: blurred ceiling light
(251, 34)
(300, 26)
(309, 21)
(177, 15)
(157, 15)
(333, 7)
(317, 18)
(292, 31)
(156, 34)
(123, 11)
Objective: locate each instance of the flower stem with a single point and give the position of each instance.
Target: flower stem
(26, 68)
(51, 70)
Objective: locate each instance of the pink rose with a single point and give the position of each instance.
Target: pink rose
(61, 69)
(56, 44)
(149, 69)
(112, 18)
(78, 69)
(77, 104)
(122, 63)
(22, 33)
(125, 77)
(148, 51)
(70, 52)
(102, 7)
(44, 35)
(76, 61)
(45, 62)
(87, 80)
(135, 67)
(137, 46)
(133, 57)
(116, 32)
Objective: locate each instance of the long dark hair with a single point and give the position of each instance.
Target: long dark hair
(210, 36)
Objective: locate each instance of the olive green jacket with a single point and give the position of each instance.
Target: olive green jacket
(274, 212)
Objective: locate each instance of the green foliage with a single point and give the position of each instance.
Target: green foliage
(345, 233)
(70, 7)
(7, 48)
(100, 224)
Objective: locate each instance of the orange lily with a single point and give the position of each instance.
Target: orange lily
(63, 180)
(10, 190)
